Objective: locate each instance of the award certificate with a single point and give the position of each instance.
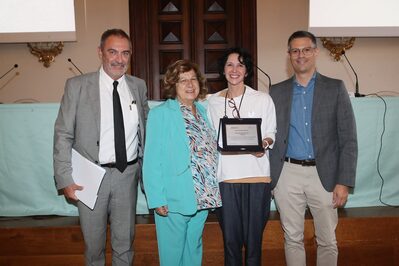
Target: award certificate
(241, 134)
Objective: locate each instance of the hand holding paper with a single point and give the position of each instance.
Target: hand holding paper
(69, 191)
(89, 175)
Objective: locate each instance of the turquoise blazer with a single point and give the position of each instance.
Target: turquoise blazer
(167, 175)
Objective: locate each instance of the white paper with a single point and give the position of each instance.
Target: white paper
(89, 175)
(241, 134)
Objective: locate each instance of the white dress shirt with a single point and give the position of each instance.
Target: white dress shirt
(130, 119)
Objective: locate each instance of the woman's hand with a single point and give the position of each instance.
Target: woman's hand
(266, 142)
(163, 211)
(258, 154)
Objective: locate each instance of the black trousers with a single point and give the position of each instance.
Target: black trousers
(243, 218)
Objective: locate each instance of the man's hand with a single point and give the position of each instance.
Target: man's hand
(69, 191)
(340, 195)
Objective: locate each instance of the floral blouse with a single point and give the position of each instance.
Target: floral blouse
(204, 158)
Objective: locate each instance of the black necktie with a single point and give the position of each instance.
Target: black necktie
(119, 132)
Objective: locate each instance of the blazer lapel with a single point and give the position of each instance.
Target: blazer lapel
(317, 96)
(134, 90)
(286, 110)
(178, 121)
(93, 87)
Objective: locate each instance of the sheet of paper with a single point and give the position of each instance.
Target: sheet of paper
(89, 175)
(241, 134)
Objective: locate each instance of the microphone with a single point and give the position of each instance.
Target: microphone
(357, 94)
(270, 81)
(70, 61)
(14, 66)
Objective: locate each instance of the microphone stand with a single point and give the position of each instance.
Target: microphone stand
(270, 81)
(15, 66)
(70, 61)
(357, 94)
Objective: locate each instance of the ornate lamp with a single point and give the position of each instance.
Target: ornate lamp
(337, 45)
(46, 51)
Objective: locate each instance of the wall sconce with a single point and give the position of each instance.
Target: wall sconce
(337, 45)
(46, 51)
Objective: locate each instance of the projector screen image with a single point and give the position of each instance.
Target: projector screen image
(37, 21)
(354, 18)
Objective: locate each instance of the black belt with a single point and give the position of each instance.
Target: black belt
(113, 165)
(310, 162)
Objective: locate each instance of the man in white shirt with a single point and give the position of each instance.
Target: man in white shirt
(112, 138)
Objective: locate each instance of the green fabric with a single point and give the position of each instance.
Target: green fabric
(26, 169)
(369, 115)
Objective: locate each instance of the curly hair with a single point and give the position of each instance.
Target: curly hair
(243, 56)
(172, 76)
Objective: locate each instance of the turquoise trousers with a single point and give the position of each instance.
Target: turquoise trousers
(180, 238)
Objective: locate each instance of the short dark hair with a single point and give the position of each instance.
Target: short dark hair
(114, 32)
(172, 76)
(302, 34)
(243, 56)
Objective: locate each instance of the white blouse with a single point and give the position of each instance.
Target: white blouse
(255, 104)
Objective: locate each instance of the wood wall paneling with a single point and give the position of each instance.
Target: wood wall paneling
(165, 31)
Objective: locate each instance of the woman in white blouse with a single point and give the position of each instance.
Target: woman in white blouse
(244, 178)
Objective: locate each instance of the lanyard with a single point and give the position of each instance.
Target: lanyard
(239, 107)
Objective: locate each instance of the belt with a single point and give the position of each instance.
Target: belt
(113, 165)
(310, 162)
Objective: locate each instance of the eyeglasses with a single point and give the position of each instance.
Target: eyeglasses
(307, 51)
(185, 82)
(232, 105)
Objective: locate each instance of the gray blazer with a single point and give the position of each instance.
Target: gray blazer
(78, 123)
(333, 131)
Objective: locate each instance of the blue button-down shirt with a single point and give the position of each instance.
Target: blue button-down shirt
(300, 144)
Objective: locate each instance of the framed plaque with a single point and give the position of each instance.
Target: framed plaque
(240, 135)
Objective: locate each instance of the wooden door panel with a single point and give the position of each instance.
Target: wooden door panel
(164, 31)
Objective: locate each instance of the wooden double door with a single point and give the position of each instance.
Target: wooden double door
(164, 31)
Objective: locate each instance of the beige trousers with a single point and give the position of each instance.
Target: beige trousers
(299, 187)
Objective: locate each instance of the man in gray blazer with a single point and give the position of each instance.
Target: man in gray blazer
(89, 123)
(313, 161)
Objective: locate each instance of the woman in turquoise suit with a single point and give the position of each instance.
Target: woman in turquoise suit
(180, 162)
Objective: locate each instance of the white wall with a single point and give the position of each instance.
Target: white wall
(375, 59)
(33, 82)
